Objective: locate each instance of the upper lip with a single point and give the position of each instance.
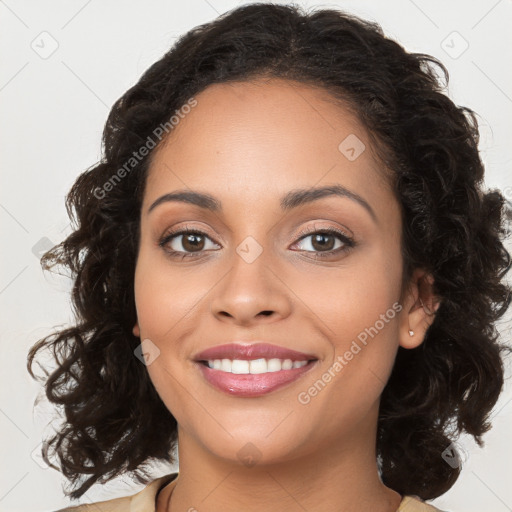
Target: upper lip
(250, 352)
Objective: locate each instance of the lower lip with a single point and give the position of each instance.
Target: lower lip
(250, 385)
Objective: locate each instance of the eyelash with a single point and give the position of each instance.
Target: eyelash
(348, 242)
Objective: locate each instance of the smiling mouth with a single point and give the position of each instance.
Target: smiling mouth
(254, 366)
(253, 378)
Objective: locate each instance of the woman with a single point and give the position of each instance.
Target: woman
(286, 265)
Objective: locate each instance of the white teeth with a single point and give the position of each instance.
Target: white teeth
(239, 366)
(242, 366)
(274, 365)
(287, 364)
(258, 366)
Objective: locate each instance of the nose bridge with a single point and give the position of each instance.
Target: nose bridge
(250, 290)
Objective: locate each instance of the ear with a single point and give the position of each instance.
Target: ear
(136, 330)
(419, 308)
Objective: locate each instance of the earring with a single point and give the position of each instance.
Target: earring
(411, 333)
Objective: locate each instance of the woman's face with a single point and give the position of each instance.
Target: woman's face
(254, 276)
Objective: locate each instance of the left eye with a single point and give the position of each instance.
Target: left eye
(322, 241)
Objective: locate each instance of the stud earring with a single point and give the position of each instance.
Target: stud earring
(411, 333)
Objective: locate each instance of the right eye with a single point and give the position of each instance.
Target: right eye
(191, 241)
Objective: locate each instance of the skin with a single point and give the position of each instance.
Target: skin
(248, 144)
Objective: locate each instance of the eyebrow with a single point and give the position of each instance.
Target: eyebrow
(291, 200)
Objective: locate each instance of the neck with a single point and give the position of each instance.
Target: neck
(341, 476)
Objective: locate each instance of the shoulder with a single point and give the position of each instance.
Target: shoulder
(415, 504)
(143, 501)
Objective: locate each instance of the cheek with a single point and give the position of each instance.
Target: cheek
(164, 296)
(358, 311)
(163, 300)
(351, 299)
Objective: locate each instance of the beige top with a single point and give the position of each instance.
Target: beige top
(145, 501)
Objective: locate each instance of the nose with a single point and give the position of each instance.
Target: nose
(251, 294)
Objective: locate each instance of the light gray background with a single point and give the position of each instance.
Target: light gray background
(53, 107)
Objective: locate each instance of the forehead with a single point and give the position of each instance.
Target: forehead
(247, 141)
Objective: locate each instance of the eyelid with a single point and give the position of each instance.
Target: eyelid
(300, 234)
(175, 232)
(180, 228)
(309, 230)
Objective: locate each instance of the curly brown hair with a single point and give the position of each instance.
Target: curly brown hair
(451, 227)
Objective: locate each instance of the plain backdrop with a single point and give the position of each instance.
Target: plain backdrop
(64, 63)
